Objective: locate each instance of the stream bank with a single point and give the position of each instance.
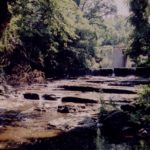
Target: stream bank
(58, 107)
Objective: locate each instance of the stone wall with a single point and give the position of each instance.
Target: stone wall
(141, 72)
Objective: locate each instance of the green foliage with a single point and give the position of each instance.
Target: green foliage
(144, 99)
(118, 31)
(50, 35)
(10, 38)
(60, 36)
(143, 102)
(96, 11)
(140, 39)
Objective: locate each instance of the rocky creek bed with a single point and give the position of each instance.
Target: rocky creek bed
(61, 108)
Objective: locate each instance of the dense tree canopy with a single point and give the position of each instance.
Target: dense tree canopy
(60, 37)
(118, 31)
(140, 42)
(49, 35)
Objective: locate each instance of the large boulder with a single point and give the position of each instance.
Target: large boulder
(114, 121)
(128, 132)
(128, 108)
(119, 124)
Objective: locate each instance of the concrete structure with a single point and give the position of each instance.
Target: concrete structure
(119, 60)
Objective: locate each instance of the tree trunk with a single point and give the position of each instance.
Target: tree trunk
(4, 15)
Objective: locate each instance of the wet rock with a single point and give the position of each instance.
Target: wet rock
(66, 109)
(103, 116)
(143, 133)
(87, 123)
(114, 122)
(118, 91)
(1, 91)
(76, 123)
(128, 108)
(143, 71)
(63, 109)
(40, 109)
(50, 126)
(147, 110)
(128, 132)
(4, 89)
(135, 124)
(116, 116)
(71, 108)
(80, 88)
(63, 124)
(82, 106)
(78, 100)
(10, 117)
(31, 96)
(131, 82)
(139, 106)
(51, 97)
(100, 81)
(95, 89)
(121, 84)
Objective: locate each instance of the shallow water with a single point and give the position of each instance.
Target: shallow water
(85, 140)
(24, 123)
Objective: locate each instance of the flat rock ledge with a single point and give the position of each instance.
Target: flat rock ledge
(73, 123)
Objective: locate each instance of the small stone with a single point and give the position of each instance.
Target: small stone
(51, 97)
(83, 107)
(143, 133)
(1, 91)
(50, 126)
(40, 109)
(67, 109)
(63, 109)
